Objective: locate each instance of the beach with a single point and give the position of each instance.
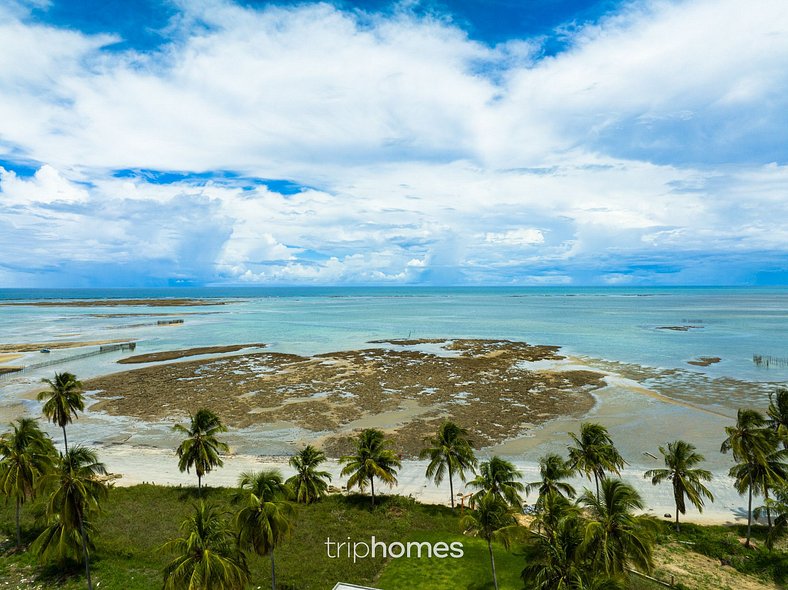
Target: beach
(519, 369)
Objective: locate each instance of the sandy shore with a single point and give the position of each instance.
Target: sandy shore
(140, 465)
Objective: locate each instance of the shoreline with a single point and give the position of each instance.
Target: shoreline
(137, 465)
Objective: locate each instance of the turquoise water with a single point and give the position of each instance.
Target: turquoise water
(598, 324)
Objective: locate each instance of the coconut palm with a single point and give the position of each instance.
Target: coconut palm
(594, 453)
(207, 555)
(750, 442)
(769, 473)
(26, 453)
(500, 478)
(557, 558)
(265, 521)
(615, 537)
(552, 470)
(372, 459)
(778, 506)
(680, 460)
(778, 414)
(201, 448)
(63, 401)
(77, 490)
(450, 452)
(308, 484)
(491, 519)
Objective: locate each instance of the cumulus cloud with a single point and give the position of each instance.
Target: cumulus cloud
(652, 148)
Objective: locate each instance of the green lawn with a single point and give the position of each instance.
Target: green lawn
(137, 521)
(471, 572)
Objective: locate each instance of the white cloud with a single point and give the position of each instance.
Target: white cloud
(516, 237)
(425, 167)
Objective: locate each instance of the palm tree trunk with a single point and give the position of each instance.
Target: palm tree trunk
(492, 563)
(65, 439)
(749, 518)
(768, 510)
(676, 499)
(273, 572)
(85, 552)
(451, 488)
(372, 481)
(18, 530)
(199, 485)
(596, 482)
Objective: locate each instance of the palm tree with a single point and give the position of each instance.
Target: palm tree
(750, 441)
(63, 401)
(552, 469)
(777, 505)
(26, 453)
(201, 448)
(266, 519)
(77, 491)
(614, 536)
(372, 459)
(500, 478)
(594, 453)
(208, 558)
(680, 460)
(770, 472)
(778, 414)
(308, 484)
(557, 559)
(491, 519)
(450, 452)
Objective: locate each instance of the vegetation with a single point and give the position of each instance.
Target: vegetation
(491, 519)
(552, 471)
(372, 459)
(778, 414)
(308, 484)
(751, 442)
(77, 491)
(500, 478)
(200, 450)
(26, 455)
(207, 557)
(265, 520)
(450, 452)
(597, 541)
(594, 453)
(63, 400)
(680, 461)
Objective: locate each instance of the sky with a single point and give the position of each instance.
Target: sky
(447, 142)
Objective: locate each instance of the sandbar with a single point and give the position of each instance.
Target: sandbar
(56, 345)
(169, 355)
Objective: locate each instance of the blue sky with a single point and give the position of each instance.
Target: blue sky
(504, 142)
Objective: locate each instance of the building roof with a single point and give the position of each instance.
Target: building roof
(343, 586)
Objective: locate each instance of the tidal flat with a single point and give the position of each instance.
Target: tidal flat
(405, 390)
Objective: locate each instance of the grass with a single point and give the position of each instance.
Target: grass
(137, 521)
(722, 542)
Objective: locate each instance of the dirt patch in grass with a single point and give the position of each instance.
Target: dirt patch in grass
(700, 572)
(481, 386)
(170, 355)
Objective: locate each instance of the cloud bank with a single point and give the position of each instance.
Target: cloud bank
(315, 145)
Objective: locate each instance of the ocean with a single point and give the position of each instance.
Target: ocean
(643, 338)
